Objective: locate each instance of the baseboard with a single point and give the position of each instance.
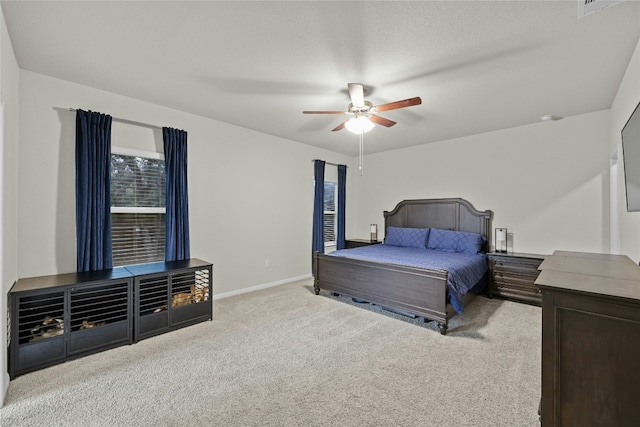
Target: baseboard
(5, 389)
(262, 286)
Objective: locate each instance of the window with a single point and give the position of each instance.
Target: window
(137, 207)
(330, 212)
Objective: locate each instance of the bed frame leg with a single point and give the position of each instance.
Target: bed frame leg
(316, 290)
(443, 328)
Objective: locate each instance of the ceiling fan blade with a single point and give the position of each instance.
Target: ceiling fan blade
(339, 127)
(398, 104)
(356, 93)
(381, 121)
(324, 112)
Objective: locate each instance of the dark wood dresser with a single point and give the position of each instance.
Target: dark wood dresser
(513, 276)
(590, 340)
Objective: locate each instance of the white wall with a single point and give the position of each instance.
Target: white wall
(250, 194)
(9, 76)
(625, 101)
(546, 182)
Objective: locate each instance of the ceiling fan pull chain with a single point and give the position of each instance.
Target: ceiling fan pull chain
(361, 152)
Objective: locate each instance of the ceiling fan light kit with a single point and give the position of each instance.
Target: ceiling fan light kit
(359, 124)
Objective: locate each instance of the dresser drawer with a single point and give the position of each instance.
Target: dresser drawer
(516, 285)
(521, 267)
(517, 294)
(520, 281)
(529, 274)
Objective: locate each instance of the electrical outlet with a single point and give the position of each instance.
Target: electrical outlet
(266, 263)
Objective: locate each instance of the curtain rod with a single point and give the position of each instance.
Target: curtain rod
(329, 163)
(129, 122)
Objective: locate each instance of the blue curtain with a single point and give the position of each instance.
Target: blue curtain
(177, 218)
(93, 191)
(342, 201)
(318, 207)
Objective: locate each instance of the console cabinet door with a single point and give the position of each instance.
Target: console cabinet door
(100, 316)
(37, 335)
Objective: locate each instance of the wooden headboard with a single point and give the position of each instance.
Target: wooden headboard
(452, 214)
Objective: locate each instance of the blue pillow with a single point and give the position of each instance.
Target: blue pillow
(454, 241)
(469, 243)
(407, 237)
(443, 240)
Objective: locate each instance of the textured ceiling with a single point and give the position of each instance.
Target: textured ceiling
(478, 66)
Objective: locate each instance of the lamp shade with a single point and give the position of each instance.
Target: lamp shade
(502, 237)
(359, 124)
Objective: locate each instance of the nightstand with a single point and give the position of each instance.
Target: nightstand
(356, 243)
(512, 276)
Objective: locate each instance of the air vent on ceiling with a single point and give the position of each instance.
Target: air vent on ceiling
(587, 7)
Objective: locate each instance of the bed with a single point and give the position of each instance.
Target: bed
(431, 291)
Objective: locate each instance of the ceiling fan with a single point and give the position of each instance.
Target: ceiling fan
(364, 112)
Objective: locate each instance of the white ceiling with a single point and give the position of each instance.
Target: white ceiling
(477, 65)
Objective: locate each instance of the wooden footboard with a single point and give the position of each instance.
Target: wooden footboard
(413, 290)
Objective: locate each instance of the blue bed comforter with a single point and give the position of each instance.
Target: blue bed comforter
(465, 270)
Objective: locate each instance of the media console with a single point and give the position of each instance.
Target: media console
(64, 316)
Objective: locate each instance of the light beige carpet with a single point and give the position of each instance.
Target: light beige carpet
(286, 357)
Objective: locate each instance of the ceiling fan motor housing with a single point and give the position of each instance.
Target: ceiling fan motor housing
(359, 110)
